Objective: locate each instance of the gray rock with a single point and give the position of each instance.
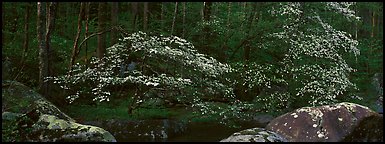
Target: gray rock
(329, 123)
(262, 119)
(51, 129)
(254, 135)
(28, 117)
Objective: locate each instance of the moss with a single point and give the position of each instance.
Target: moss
(60, 128)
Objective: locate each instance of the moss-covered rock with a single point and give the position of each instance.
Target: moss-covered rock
(329, 123)
(254, 135)
(18, 98)
(28, 117)
(51, 128)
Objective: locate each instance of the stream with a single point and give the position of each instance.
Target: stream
(168, 130)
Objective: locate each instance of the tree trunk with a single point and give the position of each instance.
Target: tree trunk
(161, 16)
(373, 23)
(225, 47)
(101, 26)
(134, 8)
(145, 16)
(184, 20)
(114, 21)
(247, 48)
(43, 60)
(173, 21)
(207, 11)
(26, 36)
(206, 30)
(75, 49)
(51, 11)
(86, 33)
(356, 23)
(202, 11)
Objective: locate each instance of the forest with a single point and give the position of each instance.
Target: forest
(177, 65)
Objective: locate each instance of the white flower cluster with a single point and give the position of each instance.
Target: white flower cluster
(172, 51)
(314, 58)
(343, 8)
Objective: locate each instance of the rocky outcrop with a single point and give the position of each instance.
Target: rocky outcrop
(330, 123)
(254, 135)
(28, 117)
(18, 98)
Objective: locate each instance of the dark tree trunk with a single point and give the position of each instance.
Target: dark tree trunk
(26, 36)
(206, 30)
(246, 55)
(134, 8)
(161, 16)
(75, 49)
(114, 21)
(184, 20)
(51, 11)
(86, 33)
(101, 26)
(207, 11)
(145, 16)
(173, 21)
(43, 59)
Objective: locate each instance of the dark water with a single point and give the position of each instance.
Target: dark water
(205, 132)
(169, 130)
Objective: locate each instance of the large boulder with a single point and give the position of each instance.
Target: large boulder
(35, 127)
(330, 123)
(28, 117)
(255, 135)
(18, 98)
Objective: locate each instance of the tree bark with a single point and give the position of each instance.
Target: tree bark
(247, 48)
(184, 20)
(134, 8)
(173, 21)
(75, 49)
(206, 29)
(161, 16)
(86, 33)
(101, 26)
(26, 36)
(114, 21)
(145, 16)
(373, 23)
(43, 60)
(50, 23)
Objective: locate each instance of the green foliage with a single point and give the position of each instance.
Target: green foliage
(302, 54)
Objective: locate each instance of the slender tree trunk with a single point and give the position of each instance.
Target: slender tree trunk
(75, 49)
(173, 21)
(26, 36)
(134, 8)
(86, 33)
(356, 23)
(247, 48)
(145, 16)
(43, 60)
(206, 30)
(373, 23)
(114, 21)
(225, 47)
(161, 16)
(202, 11)
(184, 20)
(101, 26)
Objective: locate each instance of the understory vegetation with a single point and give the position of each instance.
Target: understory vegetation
(225, 64)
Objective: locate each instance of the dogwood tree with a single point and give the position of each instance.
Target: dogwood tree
(163, 64)
(314, 63)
